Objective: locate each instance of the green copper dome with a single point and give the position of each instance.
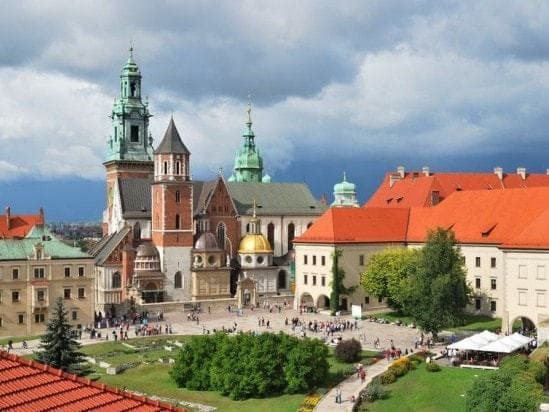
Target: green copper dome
(345, 193)
(248, 163)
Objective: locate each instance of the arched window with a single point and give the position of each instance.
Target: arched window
(271, 234)
(116, 280)
(176, 168)
(291, 235)
(309, 225)
(133, 88)
(177, 281)
(221, 229)
(165, 168)
(177, 197)
(247, 228)
(177, 222)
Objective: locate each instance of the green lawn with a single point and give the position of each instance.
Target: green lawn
(422, 391)
(16, 339)
(153, 378)
(474, 323)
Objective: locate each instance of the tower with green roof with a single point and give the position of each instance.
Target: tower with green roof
(130, 139)
(129, 146)
(345, 194)
(248, 163)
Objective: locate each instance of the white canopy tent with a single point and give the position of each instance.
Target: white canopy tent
(508, 344)
(475, 342)
(490, 342)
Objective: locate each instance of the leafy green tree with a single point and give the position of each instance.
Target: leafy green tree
(58, 345)
(437, 294)
(514, 387)
(307, 366)
(338, 287)
(387, 271)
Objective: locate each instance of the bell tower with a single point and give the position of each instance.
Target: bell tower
(172, 208)
(129, 146)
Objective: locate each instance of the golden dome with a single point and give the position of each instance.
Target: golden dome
(254, 243)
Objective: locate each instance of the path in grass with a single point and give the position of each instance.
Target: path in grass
(422, 391)
(153, 378)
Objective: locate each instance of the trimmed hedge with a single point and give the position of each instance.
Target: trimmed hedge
(432, 367)
(245, 365)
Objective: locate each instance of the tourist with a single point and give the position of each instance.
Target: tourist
(362, 375)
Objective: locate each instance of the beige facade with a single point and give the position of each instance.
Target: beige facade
(313, 267)
(28, 290)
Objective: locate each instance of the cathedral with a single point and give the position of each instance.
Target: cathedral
(169, 238)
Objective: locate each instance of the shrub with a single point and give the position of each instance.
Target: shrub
(416, 358)
(376, 380)
(432, 367)
(348, 350)
(373, 392)
(388, 377)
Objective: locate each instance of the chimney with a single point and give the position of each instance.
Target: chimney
(400, 171)
(392, 179)
(8, 210)
(521, 171)
(498, 172)
(425, 170)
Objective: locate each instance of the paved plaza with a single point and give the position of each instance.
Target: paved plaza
(367, 332)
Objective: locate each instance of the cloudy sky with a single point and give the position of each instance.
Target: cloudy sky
(362, 86)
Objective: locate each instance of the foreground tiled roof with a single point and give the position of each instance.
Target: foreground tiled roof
(19, 225)
(30, 386)
(416, 189)
(507, 218)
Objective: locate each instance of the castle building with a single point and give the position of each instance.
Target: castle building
(152, 200)
(36, 268)
(501, 232)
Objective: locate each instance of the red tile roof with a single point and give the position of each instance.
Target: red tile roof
(507, 218)
(19, 225)
(416, 188)
(358, 225)
(30, 386)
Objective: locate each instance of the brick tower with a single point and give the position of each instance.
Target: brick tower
(172, 211)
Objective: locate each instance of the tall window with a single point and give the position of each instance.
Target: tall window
(271, 234)
(361, 260)
(38, 273)
(67, 272)
(177, 281)
(281, 279)
(177, 222)
(15, 273)
(134, 134)
(314, 259)
(116, 280)
(133, 89)
(477, 262)
(291, 235)
(165, 168)
(221, 229)
(177, 197)
(493, 262)
(80, 271)
(176, 168)
(115, 133)
(137, 231)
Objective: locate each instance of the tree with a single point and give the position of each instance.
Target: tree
(338, 288)
(59, 347)
(307, 366)
(387, 271)
(437, 294)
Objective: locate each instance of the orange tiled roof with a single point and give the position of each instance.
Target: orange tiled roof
(415, 189)
(510, 218)
(30, 386)
(358, 225)
(19, 225)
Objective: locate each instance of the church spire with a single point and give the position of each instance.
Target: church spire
(130, 139)
(248, 163)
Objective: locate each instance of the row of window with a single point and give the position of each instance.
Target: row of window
(39, 317)
(523, 272)
(322, 280)
(367, 300)
(493, 283)
(41, 295)
(361, 260)
(40, 272)
(523, 298)
(306, 260)
(478, 305)
(493, 262)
